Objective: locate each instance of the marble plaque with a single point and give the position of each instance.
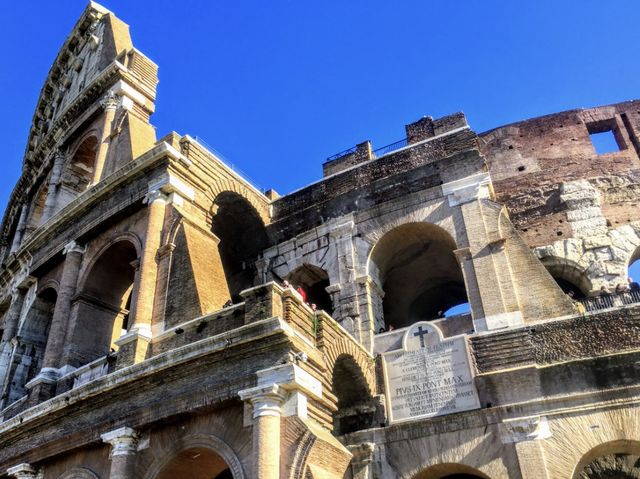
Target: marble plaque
(430, 375)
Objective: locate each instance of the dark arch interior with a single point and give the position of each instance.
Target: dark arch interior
(85, 154)
(612, 466)
(196, 463)
(78, 174)
(450, 471)
(314, 281)
(104, 301)
(242, 238)
(356, 409)
(569, 278)
(418, 272)
(32, 341)
(568, 287)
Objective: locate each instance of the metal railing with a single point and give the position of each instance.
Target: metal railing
(613, 300)
(378, 152)
(342, 153)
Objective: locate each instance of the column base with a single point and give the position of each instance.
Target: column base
(133, 347)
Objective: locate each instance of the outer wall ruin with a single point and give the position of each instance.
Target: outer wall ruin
(161, 317)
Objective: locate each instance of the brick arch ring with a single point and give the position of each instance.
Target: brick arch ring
(207, 441)
(362, 359)
(127, 236)
(79, 473)
(227, 185)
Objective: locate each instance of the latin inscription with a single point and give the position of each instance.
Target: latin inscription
(430, 381)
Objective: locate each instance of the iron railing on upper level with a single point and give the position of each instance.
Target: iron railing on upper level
(605, 301)
(342, 153)
(378, 152)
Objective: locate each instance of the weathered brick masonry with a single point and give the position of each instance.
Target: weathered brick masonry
(161, 317)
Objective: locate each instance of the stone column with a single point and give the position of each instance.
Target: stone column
(282, 391)
(52, 192)
(133, 345)
(23, 471)
(525, 434)
(68, 282)
(110, 105)
(362, 459)
(10, 326)
(485, 266)
(22, 224)
(124, 445)
(267, 410)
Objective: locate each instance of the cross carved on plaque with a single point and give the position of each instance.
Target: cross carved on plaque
(421, 333)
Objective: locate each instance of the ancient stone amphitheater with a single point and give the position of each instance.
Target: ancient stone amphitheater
(162, 318)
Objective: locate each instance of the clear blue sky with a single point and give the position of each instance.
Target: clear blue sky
(277, 86)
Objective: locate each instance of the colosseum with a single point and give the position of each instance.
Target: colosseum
(453, 305)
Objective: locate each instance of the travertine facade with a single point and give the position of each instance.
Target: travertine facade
(162, 318)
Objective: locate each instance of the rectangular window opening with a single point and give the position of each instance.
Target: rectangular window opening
(604, 142)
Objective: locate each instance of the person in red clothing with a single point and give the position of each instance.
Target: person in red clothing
(302, 293)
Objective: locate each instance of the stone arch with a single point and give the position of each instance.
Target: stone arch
(103, 301)
(450, 471)
(416, 273)
(314, 281)
(222, 185)
(356, 407)
(79, 473)
(48, 284)
(126, 236)
(614, 459)
(242, 238)
(569, 275)
(199, 441)
(31, 342)
(365, 362)
(78, 171)
(37, 206)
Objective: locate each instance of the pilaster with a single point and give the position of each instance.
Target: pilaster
(494, 303)
(52, 192)
(526, 435)
(23, 471)
(281, 391)
(110, 105)
(124, 446)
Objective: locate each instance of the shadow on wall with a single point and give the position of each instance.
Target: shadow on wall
(242, 237)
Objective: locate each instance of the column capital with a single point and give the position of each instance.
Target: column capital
(124, 441)
(266, 400)
(468, 189)
(110, 101)
(524, 429)
(23, 471)
(60, 154)
(156, 195)
(73, 247)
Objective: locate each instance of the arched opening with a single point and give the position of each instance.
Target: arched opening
(356, 408)
(313, 281)
(4, 307)
(36, 209)
(633, 275)
(569, 277)
(450, 471)
(196, 463)
(242, 237)
(418, 274)
(101, 309)
(31, 343)
(612, 460)
(78, 174)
